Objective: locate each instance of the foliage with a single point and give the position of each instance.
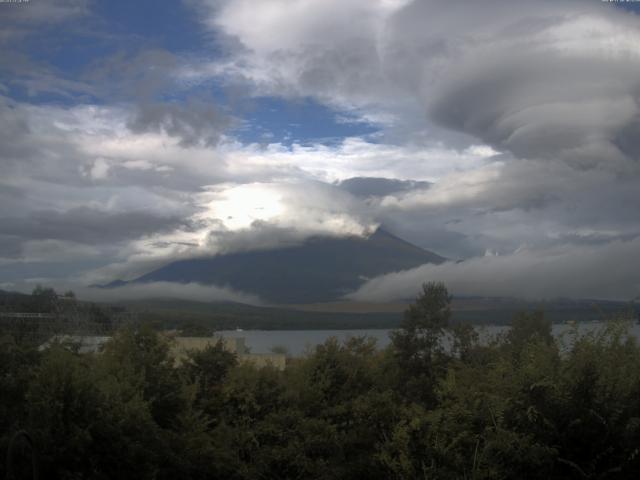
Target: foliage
(521, 405)
(417, 344)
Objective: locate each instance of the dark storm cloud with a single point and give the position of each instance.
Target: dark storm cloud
(87, 225)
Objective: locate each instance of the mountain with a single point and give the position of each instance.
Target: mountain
(319, 270)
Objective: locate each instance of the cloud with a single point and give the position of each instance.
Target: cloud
(358, 157)
(70, 160)
(51, 252)
(502, 207)
(137, 74)
(193, 122)
(587, 271)
(10, 246)
(22, 24)
(325, 47)
(557, 99)
(20, 18)
(552, 79)
(365, 187)
(87, 225)
(263, 235)
(145, 79)
(307, 206)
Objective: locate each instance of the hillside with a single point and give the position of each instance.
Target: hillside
(174, 313)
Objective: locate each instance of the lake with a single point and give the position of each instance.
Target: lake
(298, 342)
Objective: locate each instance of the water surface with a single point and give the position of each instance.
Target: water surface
(299, 342)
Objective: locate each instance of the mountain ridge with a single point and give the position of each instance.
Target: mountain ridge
(318, 270)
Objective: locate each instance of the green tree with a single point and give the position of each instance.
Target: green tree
(43, 299)
(207, 369)
(87, 423)
(143, 356)
(18, 364)
(527, 327)
(417, 344)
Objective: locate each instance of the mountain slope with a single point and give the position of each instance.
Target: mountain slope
(321, 269)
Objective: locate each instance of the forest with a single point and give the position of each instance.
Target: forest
(523, 405)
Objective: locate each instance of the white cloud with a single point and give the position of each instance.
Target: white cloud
(305, 206)
(100, 169)
(550, 79)
(602, 271)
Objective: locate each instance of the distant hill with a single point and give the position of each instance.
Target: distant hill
(14, 301)
(321, 269)
(173, 313)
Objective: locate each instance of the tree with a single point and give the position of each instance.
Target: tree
(417, 344)
(86, 423)
(17, 365)
(529, 326)
(143, 356)
(194, 329)
(69, 294)
(207, 369)
(43, 299)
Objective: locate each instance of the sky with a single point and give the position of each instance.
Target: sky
(135, 133)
